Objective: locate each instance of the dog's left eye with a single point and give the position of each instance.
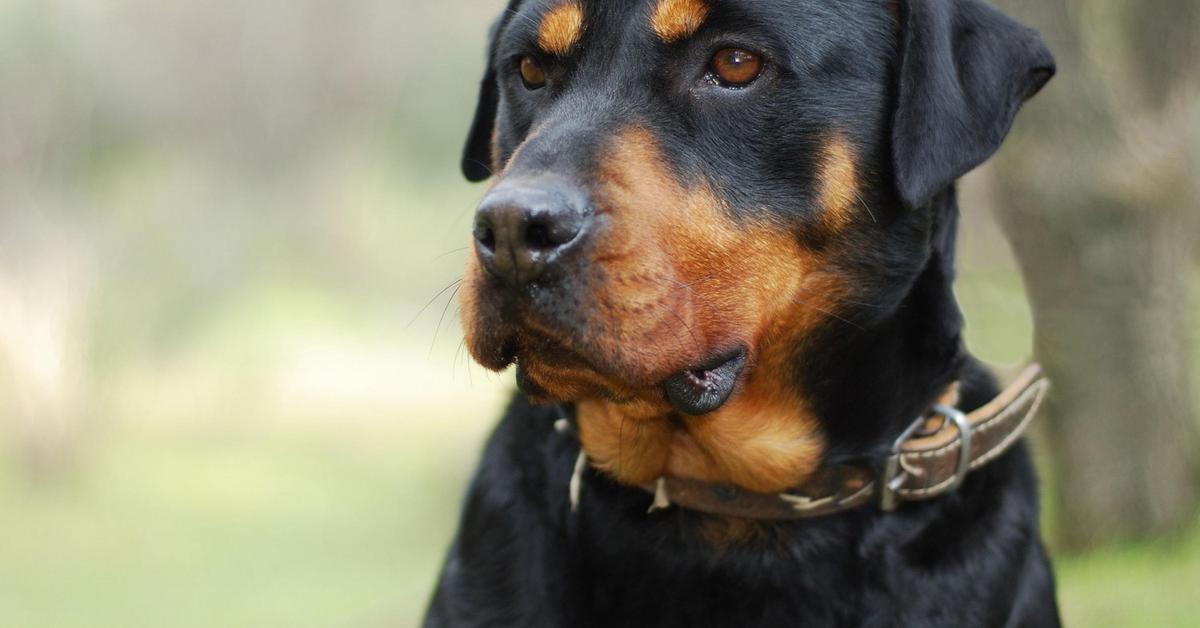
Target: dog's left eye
(532, 73)
(735, 67)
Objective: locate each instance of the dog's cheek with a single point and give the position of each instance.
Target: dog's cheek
(479, 318)
(644, 305)
(838, 186)
(739, 283)
(767, 289)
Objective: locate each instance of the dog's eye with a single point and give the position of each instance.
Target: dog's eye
(735, 67)
(532, 73)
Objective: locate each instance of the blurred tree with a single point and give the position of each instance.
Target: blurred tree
(1097, 193)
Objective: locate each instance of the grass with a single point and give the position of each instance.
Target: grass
(282, 530)
(1149, 585)
(252, 530)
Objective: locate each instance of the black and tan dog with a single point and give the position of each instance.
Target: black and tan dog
(719, 249)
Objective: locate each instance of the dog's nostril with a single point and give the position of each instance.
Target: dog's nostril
(485, 235)
(552, 231)
(538, 237)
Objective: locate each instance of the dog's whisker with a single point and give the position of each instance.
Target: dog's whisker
(449, 253)
(467, 363)
(453, 285)
(530, 20)
(621, 444)
(457, 352)
(442, 319)
(491, 171)
(863, 203)
(862, 304)
(666, 306)
(691, 284)
(802, 302)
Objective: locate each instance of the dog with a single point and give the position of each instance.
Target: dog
(718, 247)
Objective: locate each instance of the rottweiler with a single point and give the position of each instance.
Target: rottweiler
(718, 247)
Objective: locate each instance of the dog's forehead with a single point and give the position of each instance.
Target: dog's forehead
(558, 27)
(808, 136)
(557, 24)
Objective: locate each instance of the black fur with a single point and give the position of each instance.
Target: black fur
(966, 71)
(923, 101)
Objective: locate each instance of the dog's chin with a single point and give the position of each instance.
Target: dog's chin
(559, 375)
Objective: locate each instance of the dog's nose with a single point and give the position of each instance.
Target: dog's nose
(524, 228)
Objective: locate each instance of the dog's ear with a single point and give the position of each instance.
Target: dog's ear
(965, 71)
(477, 154)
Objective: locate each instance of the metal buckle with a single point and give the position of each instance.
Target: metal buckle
(965, 432)
(894, 475)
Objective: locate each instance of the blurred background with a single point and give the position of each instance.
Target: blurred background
(232, 385)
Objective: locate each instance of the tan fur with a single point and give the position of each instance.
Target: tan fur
(561, 28)
(674, 20)
(672, 280)
(838, 178)
(726, 284)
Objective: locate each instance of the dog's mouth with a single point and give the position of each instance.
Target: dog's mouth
(704, 390)
(694, 391)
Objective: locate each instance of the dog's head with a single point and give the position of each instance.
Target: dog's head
(685, 191)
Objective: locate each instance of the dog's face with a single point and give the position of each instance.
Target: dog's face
(715, 164)
(686, 191)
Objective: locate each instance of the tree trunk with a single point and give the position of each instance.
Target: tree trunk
(1097, 194)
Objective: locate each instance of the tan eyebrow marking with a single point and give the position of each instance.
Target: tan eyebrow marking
(561, 28)
(838, 181)
(674, 20)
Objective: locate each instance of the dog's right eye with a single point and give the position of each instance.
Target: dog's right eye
(532, 73)
(735, 67)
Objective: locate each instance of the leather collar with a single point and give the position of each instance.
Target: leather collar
(926, 462)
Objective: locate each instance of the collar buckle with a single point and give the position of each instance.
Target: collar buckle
(965, 431)
(894, 474)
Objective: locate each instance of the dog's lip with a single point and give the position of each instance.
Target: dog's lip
(703, 390)
(529, 387)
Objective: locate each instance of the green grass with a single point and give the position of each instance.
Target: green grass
(263, 531)
(1152, 585)
(271, 530)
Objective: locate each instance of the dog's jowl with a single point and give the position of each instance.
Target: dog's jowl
(718, 248)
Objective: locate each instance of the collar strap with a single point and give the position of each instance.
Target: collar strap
(927, 461)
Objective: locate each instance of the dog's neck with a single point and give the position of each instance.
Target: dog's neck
(846, 394)
(766, 438)
(872, 384)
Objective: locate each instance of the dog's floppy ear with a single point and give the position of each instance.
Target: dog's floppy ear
(965, 71)
(477, 154)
